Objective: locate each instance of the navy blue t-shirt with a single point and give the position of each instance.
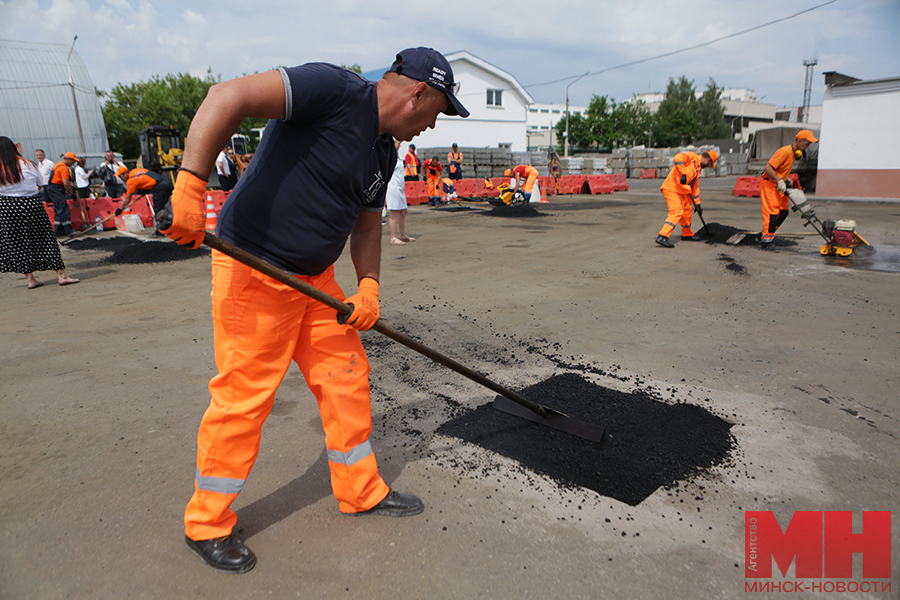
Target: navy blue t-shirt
(299, 198)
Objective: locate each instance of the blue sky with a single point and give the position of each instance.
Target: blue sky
(536, 41)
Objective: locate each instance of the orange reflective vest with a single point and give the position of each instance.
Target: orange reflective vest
(411, 163)
(687, 169)
(455, 157)
(139, 180)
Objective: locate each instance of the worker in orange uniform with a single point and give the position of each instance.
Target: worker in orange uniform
(520, 172)
(59, 189)
(411, 164)
(773, 186)
(433, 171)
(297, 209)
(681, 189)
(143, 181)
(454, 162)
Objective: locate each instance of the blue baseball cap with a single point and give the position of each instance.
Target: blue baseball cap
(430, 66)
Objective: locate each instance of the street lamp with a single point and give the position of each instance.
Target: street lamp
(74, 101)
(567, 112)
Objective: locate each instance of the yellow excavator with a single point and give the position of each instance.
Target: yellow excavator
(162, 148)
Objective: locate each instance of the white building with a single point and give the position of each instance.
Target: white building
(497, 103)
(857, 158)
(541, 123)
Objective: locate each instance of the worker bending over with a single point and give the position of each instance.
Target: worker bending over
(433, 171)
(143, 181)
(681, 189)
(318, 178)
(520, 172)
(773, 186)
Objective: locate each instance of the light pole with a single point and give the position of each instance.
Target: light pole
(74, 101)
(567, 113)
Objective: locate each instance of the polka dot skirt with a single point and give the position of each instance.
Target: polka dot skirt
(27, 241)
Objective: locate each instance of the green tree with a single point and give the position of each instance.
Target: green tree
(676, 123)
(168, 100)
(606, 124)
(354, 67)
(711, 114)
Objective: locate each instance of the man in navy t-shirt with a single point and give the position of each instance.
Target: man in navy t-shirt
(317, 179)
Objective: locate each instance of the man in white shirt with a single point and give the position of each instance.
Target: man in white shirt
(223, 170)
(45, 166)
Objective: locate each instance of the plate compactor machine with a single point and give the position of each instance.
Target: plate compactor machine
(508, 197)
(841, 237)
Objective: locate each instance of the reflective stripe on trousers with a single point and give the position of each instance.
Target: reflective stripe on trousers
(680, 211)
(260, 326)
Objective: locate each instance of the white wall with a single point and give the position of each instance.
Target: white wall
(850, 137)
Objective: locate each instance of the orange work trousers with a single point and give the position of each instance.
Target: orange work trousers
(260, 325)
(774, 208)
(681, 210)
(529, 182)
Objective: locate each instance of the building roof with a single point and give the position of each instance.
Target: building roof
(36, 105)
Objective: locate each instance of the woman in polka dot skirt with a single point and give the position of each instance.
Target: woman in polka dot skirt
(27, 241)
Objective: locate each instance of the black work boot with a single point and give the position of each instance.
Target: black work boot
(395, 505)
(767, 245)
(227, 554)
(664, 241)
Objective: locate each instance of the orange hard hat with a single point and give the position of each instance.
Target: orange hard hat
(714, 156)
(121, 171)
(508, 172)
(807, 135)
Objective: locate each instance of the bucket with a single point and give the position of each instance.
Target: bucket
(129, 222)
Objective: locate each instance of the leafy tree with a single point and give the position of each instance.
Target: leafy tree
(168, 100)
(711, 113)
(354, 67)
(676, 122)
(605, 124)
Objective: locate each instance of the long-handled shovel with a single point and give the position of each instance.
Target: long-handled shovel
(520, 405)
(75, 236)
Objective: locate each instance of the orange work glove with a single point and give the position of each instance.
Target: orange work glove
(188, 214)
(365, 306)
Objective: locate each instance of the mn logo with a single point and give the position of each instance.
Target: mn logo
(820, 544)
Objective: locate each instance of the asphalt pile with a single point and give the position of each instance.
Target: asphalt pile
(521, 211)
(716, 233)
(132, 251)
(648, 443)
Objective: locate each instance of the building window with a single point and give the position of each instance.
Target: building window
(534, 110)
(555, 111)
(495, 97)
(545, 110)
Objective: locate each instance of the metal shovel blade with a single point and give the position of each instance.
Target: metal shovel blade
(736, 239)
(554, 419)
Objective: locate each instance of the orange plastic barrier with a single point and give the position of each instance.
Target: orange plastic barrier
(466, 187)
(416, 192)
(649, 174)
(574, 184)
(618, 181)
(747, 186)
(599, 184)
(548, 185)
(218, 199)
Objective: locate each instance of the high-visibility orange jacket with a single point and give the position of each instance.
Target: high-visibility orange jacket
(782, 161)
(527, 175)
(61, 172)
(433, 171)
(411, 163)
(687, 169)
(139, 180)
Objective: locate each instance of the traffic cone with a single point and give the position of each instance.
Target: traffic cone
(211, 215)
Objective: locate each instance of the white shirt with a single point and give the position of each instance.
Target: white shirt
(395, 198)
(28, 185)
(46, 171)
(115, 167)
(222, 167)
(81, 177)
